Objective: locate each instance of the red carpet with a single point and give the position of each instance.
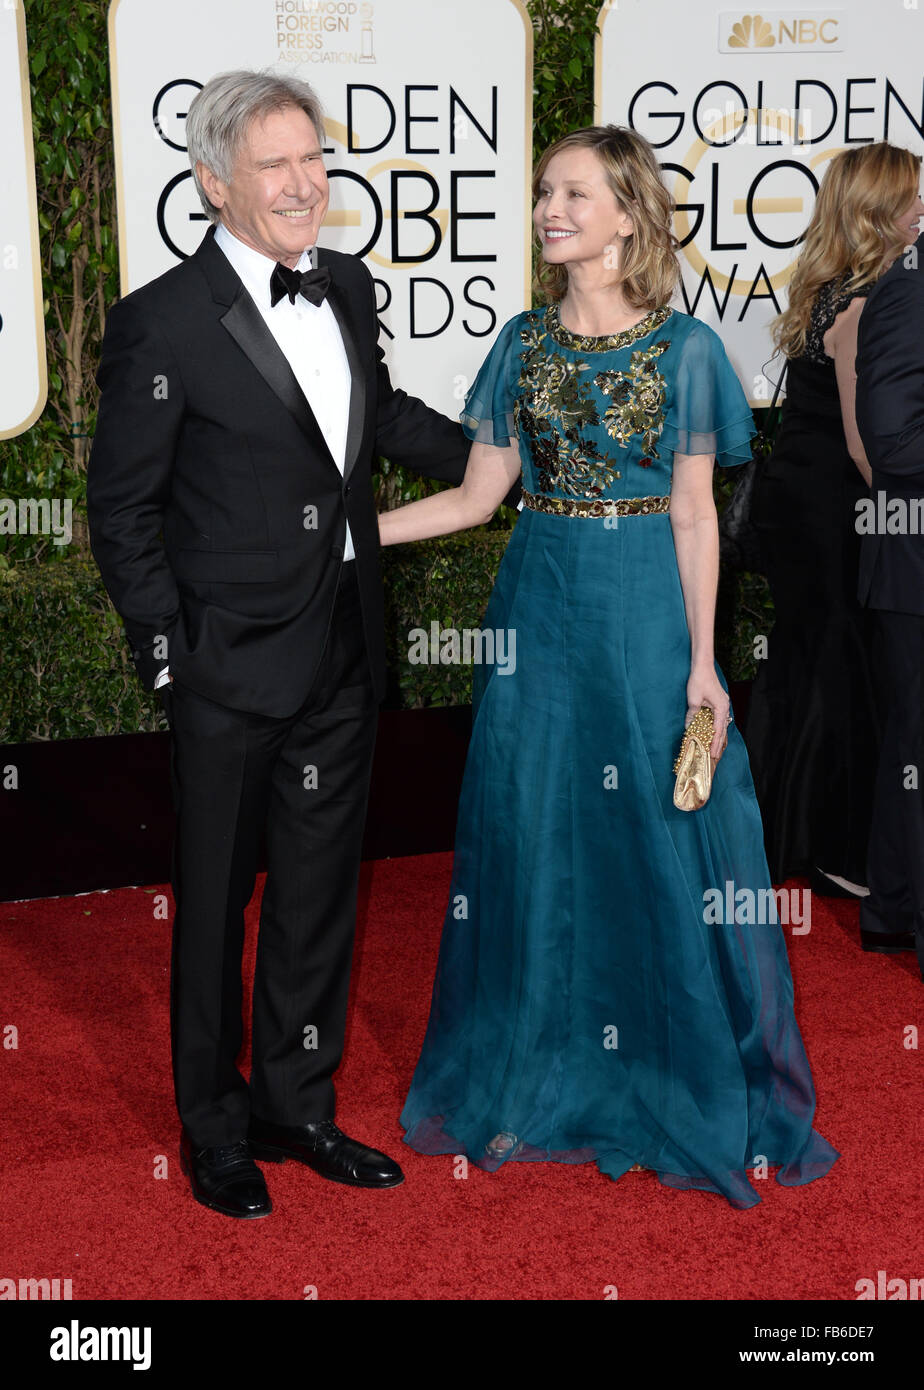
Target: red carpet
(88, 1119)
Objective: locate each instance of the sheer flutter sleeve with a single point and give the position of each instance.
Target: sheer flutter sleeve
(709, 413)
(488, 414)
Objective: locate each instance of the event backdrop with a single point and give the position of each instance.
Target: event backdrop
(745, 109)
(23, 373)
(429, 125)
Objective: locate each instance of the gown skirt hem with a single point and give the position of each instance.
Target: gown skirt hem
(431, 1137)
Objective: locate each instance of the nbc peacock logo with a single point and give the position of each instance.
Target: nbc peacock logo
(751, 31)
(783, 31)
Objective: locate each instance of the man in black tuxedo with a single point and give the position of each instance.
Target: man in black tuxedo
(890, 417)
(244, 402)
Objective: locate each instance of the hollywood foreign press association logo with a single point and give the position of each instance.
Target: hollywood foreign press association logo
(324, 31)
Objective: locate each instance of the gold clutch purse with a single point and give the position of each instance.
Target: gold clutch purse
(694, 765)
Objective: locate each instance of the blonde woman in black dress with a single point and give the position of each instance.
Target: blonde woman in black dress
(813, 726)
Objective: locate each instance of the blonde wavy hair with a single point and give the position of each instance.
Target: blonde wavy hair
(649, 270)
(852, 231)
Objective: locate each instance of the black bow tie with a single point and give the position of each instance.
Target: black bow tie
(313, 284)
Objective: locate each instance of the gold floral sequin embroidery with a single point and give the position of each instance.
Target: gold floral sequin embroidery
(637, 399)
(601, 506)
(609, 342)
(556, 404)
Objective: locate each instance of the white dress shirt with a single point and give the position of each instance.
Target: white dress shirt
(309, 336)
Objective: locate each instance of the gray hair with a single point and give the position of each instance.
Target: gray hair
(220, 115)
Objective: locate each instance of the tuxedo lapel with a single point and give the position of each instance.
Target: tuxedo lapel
(339, 303)
(245, 323)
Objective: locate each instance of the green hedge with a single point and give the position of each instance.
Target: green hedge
(68, 673)
(66, 664)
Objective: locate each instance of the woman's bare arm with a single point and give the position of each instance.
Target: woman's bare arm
(840, 342)
(696, 542)
(489, 475)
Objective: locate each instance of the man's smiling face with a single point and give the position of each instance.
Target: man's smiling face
(278, 192)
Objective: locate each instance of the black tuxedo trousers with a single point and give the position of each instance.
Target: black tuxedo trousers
(306, 779)
(895, 864)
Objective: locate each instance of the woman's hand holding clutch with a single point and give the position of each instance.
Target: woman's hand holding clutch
(705, 688)
(702, 744)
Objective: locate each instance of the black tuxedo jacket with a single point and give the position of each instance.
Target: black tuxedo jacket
(890, 418)
(217, 514)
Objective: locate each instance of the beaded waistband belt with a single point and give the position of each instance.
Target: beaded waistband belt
(600, 506)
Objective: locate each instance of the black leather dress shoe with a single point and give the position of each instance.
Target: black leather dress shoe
(887, 943)
(326, 1149)
(226, 1179)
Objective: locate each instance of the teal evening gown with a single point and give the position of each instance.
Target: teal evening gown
(588, 1006)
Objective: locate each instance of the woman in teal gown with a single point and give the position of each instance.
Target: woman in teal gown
(595, 1000)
